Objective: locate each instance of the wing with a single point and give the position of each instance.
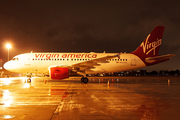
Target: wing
(81, 67)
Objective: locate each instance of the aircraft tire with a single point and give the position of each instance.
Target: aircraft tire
(29, 80)
(85, 80)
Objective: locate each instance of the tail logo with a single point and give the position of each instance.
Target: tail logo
(148, 47)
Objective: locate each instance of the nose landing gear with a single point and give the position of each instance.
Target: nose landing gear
(28, 79)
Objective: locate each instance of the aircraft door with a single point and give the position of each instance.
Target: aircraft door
(27, 59)
(133, 60)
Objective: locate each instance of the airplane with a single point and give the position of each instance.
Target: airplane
(62, 65)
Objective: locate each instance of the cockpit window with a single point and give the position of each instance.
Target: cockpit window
(15, 59)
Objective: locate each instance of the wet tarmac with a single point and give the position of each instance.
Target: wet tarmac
(124, 98)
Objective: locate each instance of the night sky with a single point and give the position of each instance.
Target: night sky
(88, 26)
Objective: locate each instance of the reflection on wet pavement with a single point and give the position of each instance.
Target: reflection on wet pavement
(6, 116)
(124, 98)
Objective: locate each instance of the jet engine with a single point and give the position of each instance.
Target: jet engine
(57, 73)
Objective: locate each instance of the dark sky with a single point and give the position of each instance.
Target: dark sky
(88, 26)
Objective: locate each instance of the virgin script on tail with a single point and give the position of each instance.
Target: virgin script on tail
(148, 47)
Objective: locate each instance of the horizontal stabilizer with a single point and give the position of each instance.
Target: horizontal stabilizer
(159, 58)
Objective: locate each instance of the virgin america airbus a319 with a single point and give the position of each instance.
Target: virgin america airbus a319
(62, 65)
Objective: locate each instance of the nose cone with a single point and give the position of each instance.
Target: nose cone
(7, 65)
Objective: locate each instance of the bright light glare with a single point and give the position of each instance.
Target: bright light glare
(7, 98)
(7, 103)
(7, 82)
(8, 116)
(8, 46)
(26, 85)
(6, 94)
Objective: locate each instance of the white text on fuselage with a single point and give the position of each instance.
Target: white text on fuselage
(69, 55)
(148, 47)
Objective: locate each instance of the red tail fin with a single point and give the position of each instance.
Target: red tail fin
(150, 46)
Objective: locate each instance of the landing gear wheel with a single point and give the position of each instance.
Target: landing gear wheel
(84, 80)
(29, 80)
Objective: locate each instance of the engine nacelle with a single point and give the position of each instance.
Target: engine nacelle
(57, 73)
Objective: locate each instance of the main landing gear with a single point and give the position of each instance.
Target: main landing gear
(84, 79)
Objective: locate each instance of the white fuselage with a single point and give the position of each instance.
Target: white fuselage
(40, 62)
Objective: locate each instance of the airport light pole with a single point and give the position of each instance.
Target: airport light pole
(8, 46)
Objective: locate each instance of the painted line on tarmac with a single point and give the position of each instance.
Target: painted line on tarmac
(61, 104)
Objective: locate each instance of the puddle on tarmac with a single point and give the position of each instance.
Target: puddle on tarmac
(6, 116)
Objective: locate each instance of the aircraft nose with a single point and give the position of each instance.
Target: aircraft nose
(7, 65)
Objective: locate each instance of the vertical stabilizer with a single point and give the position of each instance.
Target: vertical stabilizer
(151, 45)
